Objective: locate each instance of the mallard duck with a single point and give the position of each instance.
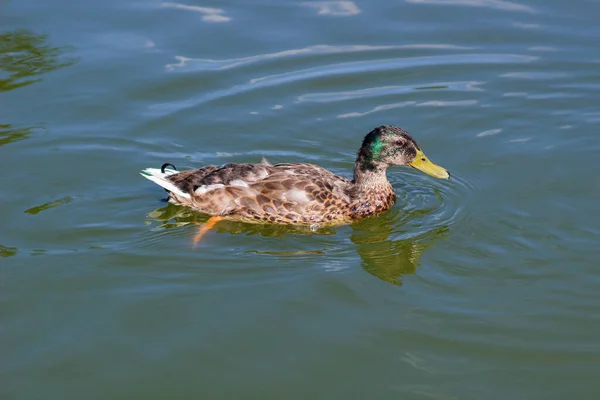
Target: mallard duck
(297, 193)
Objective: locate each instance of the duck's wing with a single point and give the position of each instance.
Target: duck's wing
(209, 189)
(290, 193)
(271, 193)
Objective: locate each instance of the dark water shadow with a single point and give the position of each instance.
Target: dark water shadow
(10, 133)
(6, 251)
(51, 204)
(386, 251)
(24, 55)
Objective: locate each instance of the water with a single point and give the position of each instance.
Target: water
(484, 286)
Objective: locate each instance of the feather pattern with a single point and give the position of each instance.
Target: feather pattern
(296, 193)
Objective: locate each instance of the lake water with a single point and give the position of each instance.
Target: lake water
(483, 286)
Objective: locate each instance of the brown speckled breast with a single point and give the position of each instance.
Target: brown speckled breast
(372, 203)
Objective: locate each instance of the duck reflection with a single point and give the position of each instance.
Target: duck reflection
(386, 251)
(386, 258)
(25, 55)
(172, 216)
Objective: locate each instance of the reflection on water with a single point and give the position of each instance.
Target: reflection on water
(9, 133)
(24, 55)
(37, 209)
(389, 259)
(172, 216)
(498, 265)
(7, 251)
(382, 255)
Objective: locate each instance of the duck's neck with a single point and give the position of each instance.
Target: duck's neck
(369, 175)
(371, 192)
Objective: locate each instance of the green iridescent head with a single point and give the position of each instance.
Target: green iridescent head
(389, 145)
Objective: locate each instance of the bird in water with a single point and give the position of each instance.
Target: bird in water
(297, 193)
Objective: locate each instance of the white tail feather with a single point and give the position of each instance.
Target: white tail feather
(159, 177)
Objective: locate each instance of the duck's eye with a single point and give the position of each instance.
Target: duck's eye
(400, 143)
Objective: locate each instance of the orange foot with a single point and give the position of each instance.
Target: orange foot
(205, 227)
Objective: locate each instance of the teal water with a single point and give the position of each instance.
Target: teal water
(483, 286)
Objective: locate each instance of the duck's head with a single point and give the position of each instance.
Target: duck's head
(389, 145)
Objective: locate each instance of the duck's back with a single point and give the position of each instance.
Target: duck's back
(293, 193)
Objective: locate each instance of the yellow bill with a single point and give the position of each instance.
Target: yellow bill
(422, 163)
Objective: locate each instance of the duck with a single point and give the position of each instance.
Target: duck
(297, 193)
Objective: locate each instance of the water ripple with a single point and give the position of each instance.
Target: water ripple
(489, 132)
(385, 107)
(342, 69)
(534, 75)
(208, 14)
(199, 64)
(439, 103)
(334, 8)
(391, 64)
(387, 90)
(426, 209)
(428, 203)
(497, 4)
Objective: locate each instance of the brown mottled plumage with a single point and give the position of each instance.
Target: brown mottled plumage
(298, 193)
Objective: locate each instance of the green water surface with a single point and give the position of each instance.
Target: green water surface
(486, 286)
